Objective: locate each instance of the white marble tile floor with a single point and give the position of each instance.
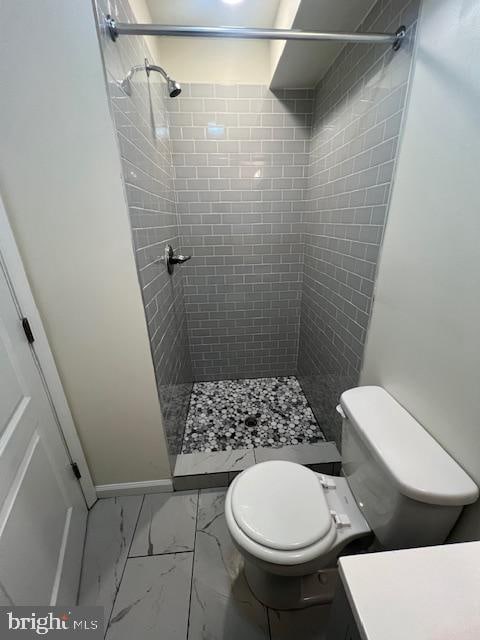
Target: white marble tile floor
(163, 566)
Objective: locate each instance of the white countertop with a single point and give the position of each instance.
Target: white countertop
(431, 593)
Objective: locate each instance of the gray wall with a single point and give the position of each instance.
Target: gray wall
(241, 157)
(358, 112)
(142, 127)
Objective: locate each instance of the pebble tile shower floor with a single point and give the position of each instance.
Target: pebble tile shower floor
(243, 414)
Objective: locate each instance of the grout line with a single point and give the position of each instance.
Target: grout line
(124, 566)
(166, 553)
(193, 563)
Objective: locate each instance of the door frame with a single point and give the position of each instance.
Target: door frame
(42, 354)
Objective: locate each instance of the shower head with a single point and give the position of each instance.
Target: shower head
(174, 88)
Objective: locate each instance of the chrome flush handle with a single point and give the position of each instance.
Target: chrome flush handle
(171, 258)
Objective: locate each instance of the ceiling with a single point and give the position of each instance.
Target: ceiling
(295, 64)
(248, 13)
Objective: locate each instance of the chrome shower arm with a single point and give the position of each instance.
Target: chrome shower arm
(154, 67)
(174, 89)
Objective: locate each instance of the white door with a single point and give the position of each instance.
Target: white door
(42, 509)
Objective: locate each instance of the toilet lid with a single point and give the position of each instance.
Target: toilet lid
(281, 505)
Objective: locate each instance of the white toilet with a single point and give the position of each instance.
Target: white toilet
(400, 489)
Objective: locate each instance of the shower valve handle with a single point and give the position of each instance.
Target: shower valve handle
(171, 258)
(179, 259)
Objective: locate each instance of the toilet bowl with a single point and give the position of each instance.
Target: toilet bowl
(399, 489)
(289, 522)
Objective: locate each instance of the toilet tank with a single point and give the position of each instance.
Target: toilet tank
(408, 487)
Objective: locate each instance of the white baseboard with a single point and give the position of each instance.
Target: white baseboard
(134, 488)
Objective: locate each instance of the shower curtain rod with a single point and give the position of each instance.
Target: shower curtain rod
(133, 29)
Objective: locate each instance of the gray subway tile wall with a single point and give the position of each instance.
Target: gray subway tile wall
(280, 197)
(142, 127)
(240, 154)
(357, 118)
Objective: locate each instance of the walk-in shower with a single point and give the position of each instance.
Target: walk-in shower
(280, 198)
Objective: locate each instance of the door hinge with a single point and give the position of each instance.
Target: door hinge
(76, 471)
(28, 330)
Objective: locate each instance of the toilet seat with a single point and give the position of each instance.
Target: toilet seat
(277, 512)
(281, 505)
